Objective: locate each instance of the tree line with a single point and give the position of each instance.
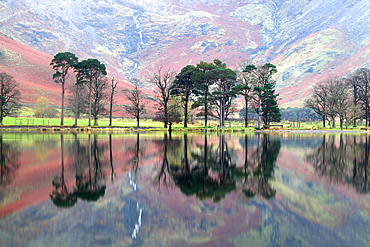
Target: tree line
(346, 98)
(211, 89)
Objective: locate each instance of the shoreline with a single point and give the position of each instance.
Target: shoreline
(83, 129)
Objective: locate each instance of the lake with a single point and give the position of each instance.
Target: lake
(194, 189)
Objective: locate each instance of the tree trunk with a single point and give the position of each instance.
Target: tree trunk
(77, 103)
(333, 118)
(165, 114)
(205, 108)
(111, 102)
(111, 109)
(259, 115)
(246, 112)
(62, 113)
(90, 103)
(221, 112)
(186, 110)
(324, 120)
(138, 120)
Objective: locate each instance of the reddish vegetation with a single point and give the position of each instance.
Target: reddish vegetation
(31, 69)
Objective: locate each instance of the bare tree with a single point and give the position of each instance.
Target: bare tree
(364, 77)
(173, 114)
(318, 101)
(78, 100)
(163, 80)
(112, 91)
(354, 83)
(99, 98)
(135, 96)
(339, 99)
(9, 95)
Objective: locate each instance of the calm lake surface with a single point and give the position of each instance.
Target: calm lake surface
(153, 189)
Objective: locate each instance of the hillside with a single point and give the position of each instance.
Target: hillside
(31, 69)
(307, 40)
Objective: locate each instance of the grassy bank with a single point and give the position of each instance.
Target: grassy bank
(31, 122)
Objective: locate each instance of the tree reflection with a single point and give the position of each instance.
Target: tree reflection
(343, 161)
(91, 186)
(89, 174)
(209, 178)
(164, 177)
(211, 171)
(60, 196)
(136, 151)
(9, 162)
(259, 166)
(111, 157)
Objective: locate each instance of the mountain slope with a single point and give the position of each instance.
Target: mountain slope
(308, 40)
(31, 69)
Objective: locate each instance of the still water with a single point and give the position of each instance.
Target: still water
(153, 189)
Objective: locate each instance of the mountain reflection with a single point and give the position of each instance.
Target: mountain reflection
(343, 159)
(90, 177)
(211, 170)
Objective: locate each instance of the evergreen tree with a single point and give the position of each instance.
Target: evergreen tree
(202, 89)
(184, 85)
(270, 108)
(90, 71)
(259, 75)
(63, 63)
(224, 78)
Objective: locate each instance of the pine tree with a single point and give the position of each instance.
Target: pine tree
(270, 108)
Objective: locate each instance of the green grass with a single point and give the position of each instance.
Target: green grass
(31, 121)
(131, 123)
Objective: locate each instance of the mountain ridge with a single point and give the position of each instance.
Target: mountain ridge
(308, 40)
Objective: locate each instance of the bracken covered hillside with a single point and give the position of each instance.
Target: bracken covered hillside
(307, 40)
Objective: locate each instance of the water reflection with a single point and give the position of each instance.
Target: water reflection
(136, 151)
(90, 176)
(259, 166)
(343, 159)
(60, 196)
(9, 162)
(239, 172)
(211, 171)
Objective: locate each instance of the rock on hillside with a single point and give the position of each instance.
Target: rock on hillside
(307, 39)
